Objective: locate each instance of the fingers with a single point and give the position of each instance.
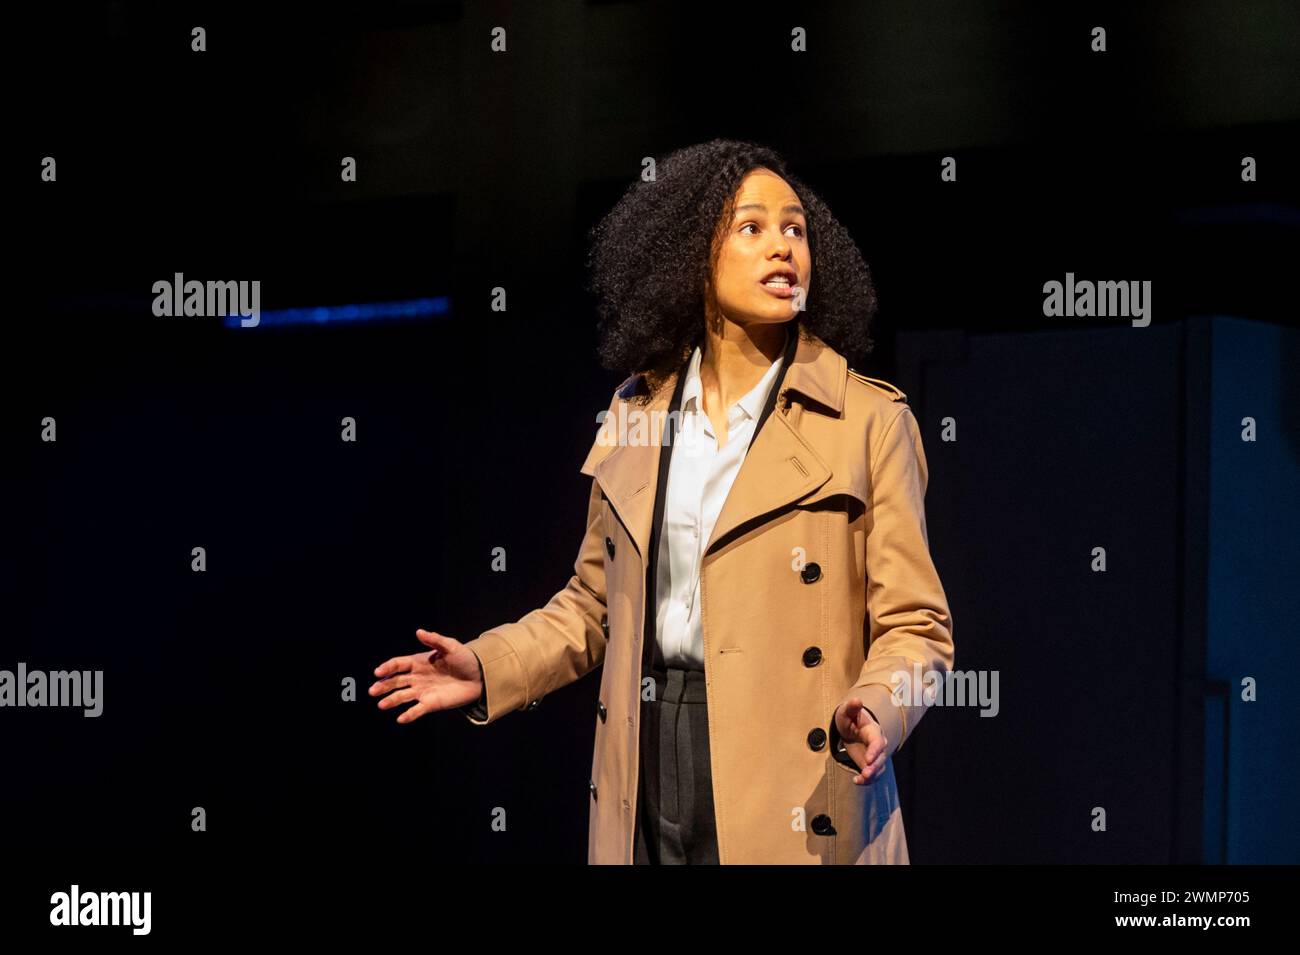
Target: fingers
(877, 750)
(428, 703)
(398, 698)
(396, 682)
(401, 693)
(850, 710)
(871, 770)
(393, 665)
(867, 734)
(396, 665)
(412, 713)
(874, 738)
(431, 638)
(395, 677)
(857, 718)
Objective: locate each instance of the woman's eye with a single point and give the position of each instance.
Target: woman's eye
(798, 230)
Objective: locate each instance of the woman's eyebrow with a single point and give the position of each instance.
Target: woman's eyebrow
(793, 207)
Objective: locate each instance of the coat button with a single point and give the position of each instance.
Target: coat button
(591, 784)
(600, 708)
(811, 573)
(534, 705)
(609, 548)
(604, 625)
(821, 824)
(817, 739)
(812, 656)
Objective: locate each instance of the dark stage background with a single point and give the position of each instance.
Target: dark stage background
(479, 170)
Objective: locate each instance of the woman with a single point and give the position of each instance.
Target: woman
(745, 711)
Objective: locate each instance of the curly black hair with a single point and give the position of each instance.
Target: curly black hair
(652, 260)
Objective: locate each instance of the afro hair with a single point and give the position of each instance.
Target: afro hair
(652, 257)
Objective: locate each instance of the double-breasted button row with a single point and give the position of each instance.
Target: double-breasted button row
(609, 547)
(811, 573)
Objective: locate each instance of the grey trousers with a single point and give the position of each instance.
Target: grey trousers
(675, 821)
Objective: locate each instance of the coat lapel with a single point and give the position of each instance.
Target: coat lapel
(630, 473)
(779, 468)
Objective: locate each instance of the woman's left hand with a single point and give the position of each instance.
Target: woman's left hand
(864, 740)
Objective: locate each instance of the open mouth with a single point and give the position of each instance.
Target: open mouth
(782, 277)
(781, 283)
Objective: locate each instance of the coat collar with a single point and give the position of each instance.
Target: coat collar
(780, 466)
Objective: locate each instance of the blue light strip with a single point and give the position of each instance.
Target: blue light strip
(327, 314)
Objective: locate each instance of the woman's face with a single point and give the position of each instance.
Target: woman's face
(764, 266)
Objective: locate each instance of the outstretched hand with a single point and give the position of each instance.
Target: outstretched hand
(442, 679)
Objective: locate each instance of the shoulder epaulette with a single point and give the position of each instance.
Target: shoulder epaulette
(892, 392)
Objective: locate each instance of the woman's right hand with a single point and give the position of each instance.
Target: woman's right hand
(446, 678)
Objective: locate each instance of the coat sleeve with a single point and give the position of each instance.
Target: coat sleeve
(552, 646)
(910, 622)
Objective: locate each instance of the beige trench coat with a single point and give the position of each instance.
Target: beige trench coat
(835, 478)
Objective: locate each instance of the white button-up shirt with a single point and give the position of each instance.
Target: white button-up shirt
(699, 477)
